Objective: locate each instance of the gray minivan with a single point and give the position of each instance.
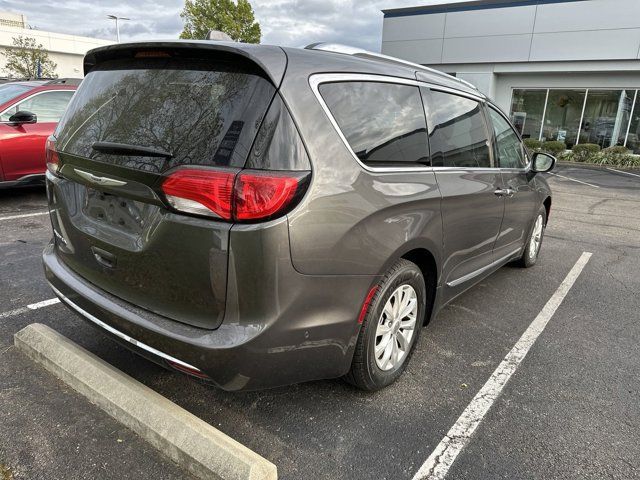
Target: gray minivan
(257, 216)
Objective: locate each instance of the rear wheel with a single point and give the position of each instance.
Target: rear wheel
(390, 329)
(532, 248)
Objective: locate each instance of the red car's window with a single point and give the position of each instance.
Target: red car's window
(11, 91)
(48, 106)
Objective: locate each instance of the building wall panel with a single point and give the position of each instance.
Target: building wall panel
(502, 21)
(419, 51)
(588, 15)
(503, 48)
(415, 27)
(586, 45)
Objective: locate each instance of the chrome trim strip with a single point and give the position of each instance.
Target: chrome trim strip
(316, 80)
(118, 333)
(460, 93)
(106, 181)
(469, 276)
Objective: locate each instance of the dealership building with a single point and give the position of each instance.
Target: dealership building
(67, 51)
(564, 70)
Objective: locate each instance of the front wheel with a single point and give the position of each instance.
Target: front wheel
(532, 248)
(390, 329)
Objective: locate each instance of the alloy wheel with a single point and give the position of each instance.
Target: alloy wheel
(396, 327)
(536, 237)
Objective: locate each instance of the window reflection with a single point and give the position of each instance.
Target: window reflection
(384, 123)
(562, 118)
(48, 106)
(457, 132)
(606, 117)
(202, 117)
(508, 145)
(527, 107)
(633, 139)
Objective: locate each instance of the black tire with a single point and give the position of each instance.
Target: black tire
(365, 373)
(528, 260)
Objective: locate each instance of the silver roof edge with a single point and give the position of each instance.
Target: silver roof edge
(360, 52)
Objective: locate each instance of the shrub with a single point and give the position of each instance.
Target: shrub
(630, 161)
(566, 156)
(532, 144)
(617, 160)
(616, 155)
(585, 152)
(553, 147)
(616, 150)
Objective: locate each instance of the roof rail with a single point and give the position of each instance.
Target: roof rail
(63, 81)
(359, 52)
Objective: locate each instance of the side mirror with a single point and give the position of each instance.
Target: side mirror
(542, 162)
(22, 117)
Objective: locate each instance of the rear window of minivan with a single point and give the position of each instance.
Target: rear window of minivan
(201, 111)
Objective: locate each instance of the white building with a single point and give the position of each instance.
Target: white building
(67, 51)
(564, 69)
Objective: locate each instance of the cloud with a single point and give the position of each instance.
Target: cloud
(283, 22)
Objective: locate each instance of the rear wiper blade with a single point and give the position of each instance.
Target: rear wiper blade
(113, 148)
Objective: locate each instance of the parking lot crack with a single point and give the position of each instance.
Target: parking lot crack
(607, 267)
(6, 350)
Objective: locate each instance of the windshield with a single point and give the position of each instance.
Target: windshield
(10, 91)
(204, 113)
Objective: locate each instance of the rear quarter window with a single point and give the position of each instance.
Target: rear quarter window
(384, 123)
(202, 112)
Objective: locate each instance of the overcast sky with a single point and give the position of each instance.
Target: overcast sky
(283, 22)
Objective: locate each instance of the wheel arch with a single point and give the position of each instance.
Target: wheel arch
(426, 262)
(547, 206)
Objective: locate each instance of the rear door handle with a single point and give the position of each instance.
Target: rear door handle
(505, 192)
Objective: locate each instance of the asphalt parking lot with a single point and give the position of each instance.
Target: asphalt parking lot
(571, 410)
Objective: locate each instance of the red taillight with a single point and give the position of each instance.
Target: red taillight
(244, 196)
(51, 155)
(204, 192)
(261, 195)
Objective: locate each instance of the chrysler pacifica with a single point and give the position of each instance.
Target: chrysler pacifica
(257, 216)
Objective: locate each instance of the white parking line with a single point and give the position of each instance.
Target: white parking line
(574, 180)
(441, 459)
(24, 215)
(33, 306)
(621, 171)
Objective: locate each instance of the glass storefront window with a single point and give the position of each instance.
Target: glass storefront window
(633, 139)
(527, 107)
(562, 118)
(603, 119)
(606, 117)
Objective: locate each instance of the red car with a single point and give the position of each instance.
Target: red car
(29, 113)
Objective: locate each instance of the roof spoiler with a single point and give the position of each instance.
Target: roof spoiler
(271, 60)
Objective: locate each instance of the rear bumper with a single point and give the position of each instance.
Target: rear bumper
(295, 345)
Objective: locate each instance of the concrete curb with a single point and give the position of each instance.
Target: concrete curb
(190, 442)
